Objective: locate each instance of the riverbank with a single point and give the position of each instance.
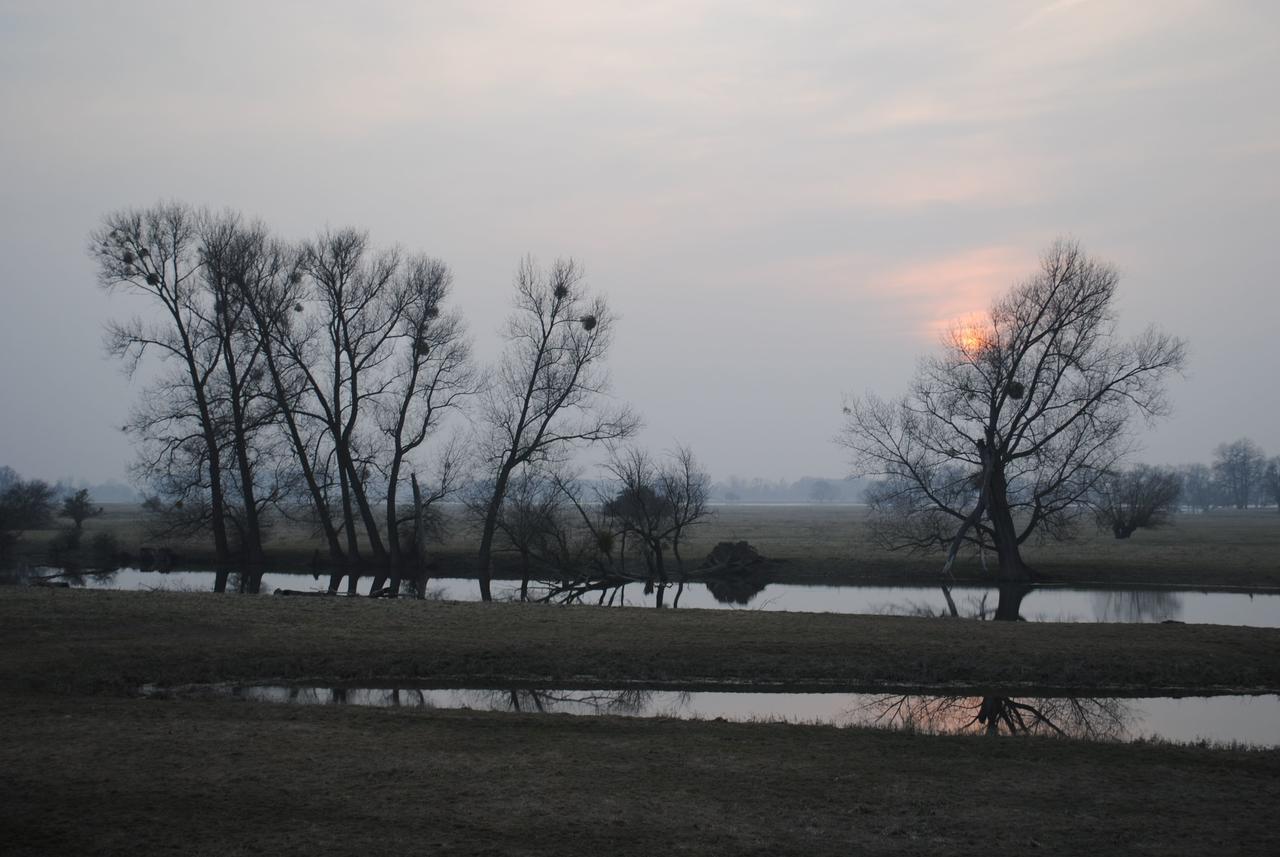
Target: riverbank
(95, 641)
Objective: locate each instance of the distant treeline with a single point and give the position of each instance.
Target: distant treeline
(807, 489)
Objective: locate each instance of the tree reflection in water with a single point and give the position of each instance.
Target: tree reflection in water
(1150, 605)
(1072, 717)
(632, 702)
(739, 588)
(1008, 606)
(70, 576)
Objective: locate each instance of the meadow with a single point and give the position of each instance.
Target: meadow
(92, 766)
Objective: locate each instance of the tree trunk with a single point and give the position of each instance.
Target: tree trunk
(486, 535)
(393, 531)
(1009, 605)
(419, 544)
(524, 575)
(1011, 566)
(348, 514)
(362, 504)
(304, 463)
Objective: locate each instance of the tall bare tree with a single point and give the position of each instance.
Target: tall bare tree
(359, 315)
(1005, 432)
(153, 253)
(272, 292)
(549, 392)
(431, 374)
(231, 256)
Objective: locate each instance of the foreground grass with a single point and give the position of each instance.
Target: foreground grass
(138, 777)
(833, 544)
(94, 641)
(113, 774)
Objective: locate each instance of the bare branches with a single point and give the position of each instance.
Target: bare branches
(1043, 386)
(549, 393)
(1141, 497)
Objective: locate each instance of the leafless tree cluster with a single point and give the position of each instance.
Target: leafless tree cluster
(577, 540)
(1004, 435)
(1240, 476)
(319, 376)
(291, 376)
(549, 393)
(1240, 470)
(1136, 498)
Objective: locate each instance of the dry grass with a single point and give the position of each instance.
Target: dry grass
(133, 777)
(92, 641)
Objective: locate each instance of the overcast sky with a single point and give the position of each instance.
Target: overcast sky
(783, 201)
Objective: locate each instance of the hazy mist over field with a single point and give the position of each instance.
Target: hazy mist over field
(785, 203)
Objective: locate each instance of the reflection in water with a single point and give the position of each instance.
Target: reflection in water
(1137, 606)
(70, 576)
(1248, 719)
(1039, 604)
(1074, 717)
(632, 702)
(738, 589)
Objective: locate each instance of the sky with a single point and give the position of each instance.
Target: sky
(785, 203)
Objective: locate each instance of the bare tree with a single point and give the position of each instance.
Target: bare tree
(1271, 481)
(822, 492)
(549, 391)
(431, 376)
(1239, 466)
(655, 507)
(1005, 432)
(272, 292)
(25, 504)
(79, 508)
(1137, 498)
(1199, 489)
(153, 253)
(529, 522)
(231, 256)
(343, 359)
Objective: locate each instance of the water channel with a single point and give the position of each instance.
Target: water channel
(1045, 603)
(1253, 720)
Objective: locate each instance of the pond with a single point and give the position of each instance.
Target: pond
(1039, 604)
(1253, 720)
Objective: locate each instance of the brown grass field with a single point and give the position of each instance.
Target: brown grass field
(90, 769)
(95, 641)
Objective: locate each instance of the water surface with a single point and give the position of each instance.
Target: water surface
(1042, 604)
(1252, 720)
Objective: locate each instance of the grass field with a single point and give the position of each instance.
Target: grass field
(138, 777)
(87, 641)
(90, 768)
(829, 544)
